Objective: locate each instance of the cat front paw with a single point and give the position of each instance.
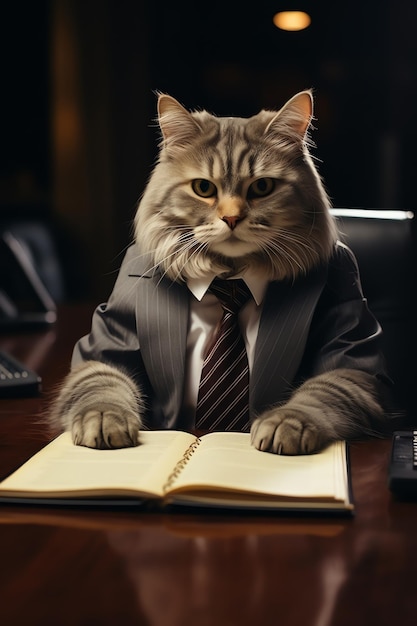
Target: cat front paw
(104, 428)
(100, 405)
(286, 431)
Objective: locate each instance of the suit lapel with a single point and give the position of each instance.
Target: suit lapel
(162, 321)
(283, 330)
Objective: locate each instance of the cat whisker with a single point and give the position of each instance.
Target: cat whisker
(298, 239)
(186, 251)
(163, 260)
(287, 246)
(200, 248)
(283, 254)
(284, 261)
(157, 266)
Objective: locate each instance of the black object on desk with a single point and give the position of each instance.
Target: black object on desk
(16, 380)
(402, 473)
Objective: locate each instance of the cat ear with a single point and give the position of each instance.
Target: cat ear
(295, 115)
(177, 125)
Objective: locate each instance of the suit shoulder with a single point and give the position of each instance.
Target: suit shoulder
(343, 273)
(136, 263)
(343, 257)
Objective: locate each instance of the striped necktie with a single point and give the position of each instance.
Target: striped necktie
(223, 397)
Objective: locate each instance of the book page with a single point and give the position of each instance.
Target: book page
(63, 468)
(228, 461)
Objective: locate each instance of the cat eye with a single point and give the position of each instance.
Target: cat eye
(204, 188)
(261, 187)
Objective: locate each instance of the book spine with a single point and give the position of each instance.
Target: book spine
(181, 464)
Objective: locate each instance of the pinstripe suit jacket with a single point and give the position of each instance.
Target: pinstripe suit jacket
(317, 323)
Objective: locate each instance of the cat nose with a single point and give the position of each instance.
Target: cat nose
(231, 220)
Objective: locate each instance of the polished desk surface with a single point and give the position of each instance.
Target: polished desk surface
(72, 567)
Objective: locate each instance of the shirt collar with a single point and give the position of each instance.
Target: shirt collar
(254, 279)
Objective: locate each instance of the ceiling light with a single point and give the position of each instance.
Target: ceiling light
(292, 20)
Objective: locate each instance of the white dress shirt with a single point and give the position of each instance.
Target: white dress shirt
(205, 314)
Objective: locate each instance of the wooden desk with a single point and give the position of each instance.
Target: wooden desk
(96, 568)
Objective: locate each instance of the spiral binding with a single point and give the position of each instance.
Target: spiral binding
(181, 464)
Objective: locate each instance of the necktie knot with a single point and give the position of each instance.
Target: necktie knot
(232, 294)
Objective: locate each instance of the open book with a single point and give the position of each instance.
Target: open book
(220, 469)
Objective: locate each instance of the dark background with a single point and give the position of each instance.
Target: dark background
(78, 82)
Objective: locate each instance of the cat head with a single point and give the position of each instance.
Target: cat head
(228, 193)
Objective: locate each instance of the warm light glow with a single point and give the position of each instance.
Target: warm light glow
(292, 20)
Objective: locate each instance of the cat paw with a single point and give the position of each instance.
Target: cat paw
(285, 431)
(105, 428)
(100, 405)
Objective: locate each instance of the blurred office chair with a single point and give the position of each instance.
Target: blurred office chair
(34, 240)
(382, 242)
(55, 254)
(39, 269)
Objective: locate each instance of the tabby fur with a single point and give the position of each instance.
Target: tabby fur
(227, 194)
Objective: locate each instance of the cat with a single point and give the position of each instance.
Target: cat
(228, 195)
